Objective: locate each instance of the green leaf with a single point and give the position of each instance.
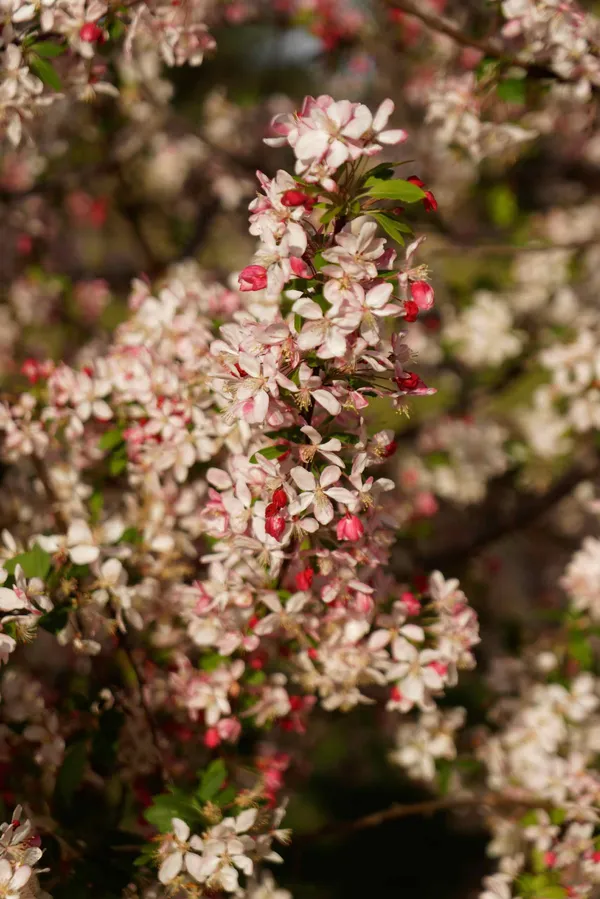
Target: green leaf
(438, 458)
(117, 30)
(71, 772)
(512, 90)
(56, 620)
(331, 213)
(350, 439)
(47, 49)
(210, 661)
(45, 72)
(294, 435)
(226, 796)
(167, 806)
(486, 67)
(212, 780)
(111, 439)
(35, 563)
(131, 535)
(384, 171)
(397, 189)
(271, 452)
(118, 462)
(502, 205)
(96, 505)
(581, 650)
(391, 227)
(444, 773)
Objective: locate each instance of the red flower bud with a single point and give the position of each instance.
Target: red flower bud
(212, 738)
(24, 244)
(411, 311)
(275, 526)
(89, 32)
(304, 579)
(430, 202)
(408, 381)
(389, 450)
(279, 499)
(296, 198)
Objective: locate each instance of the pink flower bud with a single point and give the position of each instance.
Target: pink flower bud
(439, 668)
(275, 526)
(299, 267)
(349, 528)
(229, 729)
(212, 738)
(253, 277)
(411, 603)
(426, 504)
(422, 294)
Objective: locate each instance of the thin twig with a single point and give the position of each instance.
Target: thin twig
(427, 807)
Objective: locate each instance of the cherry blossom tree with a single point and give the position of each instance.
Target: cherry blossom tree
(319, 474)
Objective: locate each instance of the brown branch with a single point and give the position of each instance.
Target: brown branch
(496, 522)
(444, 26)
(495, 249)
(427, 807)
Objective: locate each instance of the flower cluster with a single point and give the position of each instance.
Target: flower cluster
(561, 34)
(223, 851)
(19, 854)
(235, 421)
